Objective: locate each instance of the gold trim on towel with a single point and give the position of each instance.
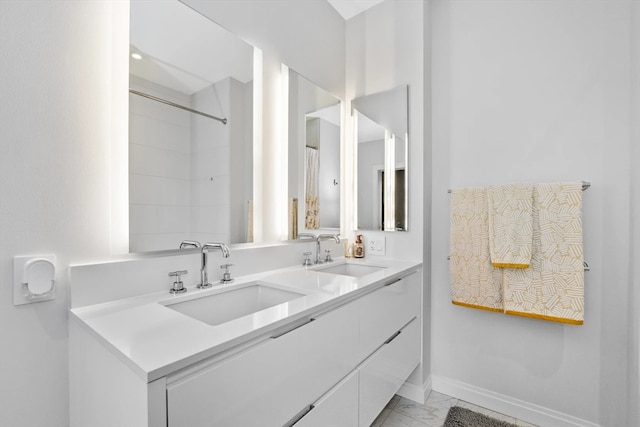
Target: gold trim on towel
(479, 307)
(508, 265)
(543, 317)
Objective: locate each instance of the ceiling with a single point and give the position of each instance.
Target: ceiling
(350, 8)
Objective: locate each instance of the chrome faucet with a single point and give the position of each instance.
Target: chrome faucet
(189, 243)
(335, 237)
(319, 238)
(204, 281)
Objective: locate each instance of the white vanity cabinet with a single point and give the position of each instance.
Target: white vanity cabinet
(390, 342)
(336, 366)
(273, 382)
(382, 374)
(386, 310)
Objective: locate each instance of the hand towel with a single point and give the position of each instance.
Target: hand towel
(510, 225)
(474, 281)
(553, 287)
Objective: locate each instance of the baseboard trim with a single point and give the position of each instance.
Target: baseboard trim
(417, 393)
(519, 409)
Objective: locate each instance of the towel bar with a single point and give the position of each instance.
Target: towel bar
(585, 185)
(584, 263)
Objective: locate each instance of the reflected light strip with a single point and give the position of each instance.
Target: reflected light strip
(282, 157)
(389, 181)
(257, 144)
(119, 136)
(354, 163)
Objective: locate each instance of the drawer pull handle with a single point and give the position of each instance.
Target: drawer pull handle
(300, 415)
(393, 337)
(393, 283)
(278, 334)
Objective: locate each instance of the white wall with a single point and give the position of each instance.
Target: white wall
(633, 404)
(530, 91)
(386, 49)
(58, 91)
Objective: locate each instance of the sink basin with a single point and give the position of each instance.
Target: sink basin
(223, 307)
(354, 270)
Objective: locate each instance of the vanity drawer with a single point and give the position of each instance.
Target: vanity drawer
(268, 384)
(386, 310)
(382, 375)
(338, 408)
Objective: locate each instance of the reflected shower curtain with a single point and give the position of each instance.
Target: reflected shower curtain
(312, 160)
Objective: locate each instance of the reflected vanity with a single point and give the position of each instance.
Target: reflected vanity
(382, 160)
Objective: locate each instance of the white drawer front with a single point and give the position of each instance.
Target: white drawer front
(382, 375)
(338, 408)
(269, 384)
(386, 310)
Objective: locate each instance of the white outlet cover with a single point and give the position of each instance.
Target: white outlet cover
(377, 245)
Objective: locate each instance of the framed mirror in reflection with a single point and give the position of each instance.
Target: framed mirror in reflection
(190, 169)
(314, 158)
(381, 160)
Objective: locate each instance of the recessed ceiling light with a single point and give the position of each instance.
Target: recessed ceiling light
(136, 55)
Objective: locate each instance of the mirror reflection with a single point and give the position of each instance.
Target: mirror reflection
(314, 157)
(190, 174)
(382, 158)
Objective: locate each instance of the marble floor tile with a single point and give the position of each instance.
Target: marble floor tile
(396, 419)
(521, 423)
(401, 412)
(378, 422)
(432, 413)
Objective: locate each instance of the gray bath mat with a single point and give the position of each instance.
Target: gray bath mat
(462, 417)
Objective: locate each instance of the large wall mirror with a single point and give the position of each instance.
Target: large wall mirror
(190, 174)
(314, 158)
(381, 125)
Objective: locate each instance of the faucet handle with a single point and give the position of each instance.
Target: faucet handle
(178, 286)
(226, 277)
(307, 258)
(328, 258)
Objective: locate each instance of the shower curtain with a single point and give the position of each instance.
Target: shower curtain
(312, 160)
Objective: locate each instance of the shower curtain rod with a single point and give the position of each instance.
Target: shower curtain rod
(585, 185)
(164, 101)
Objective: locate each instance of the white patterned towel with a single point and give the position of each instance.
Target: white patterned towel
(553, 287)
(510, 225)
(474, 281)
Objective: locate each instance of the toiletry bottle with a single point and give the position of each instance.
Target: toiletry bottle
(358, 251)
(348, 249)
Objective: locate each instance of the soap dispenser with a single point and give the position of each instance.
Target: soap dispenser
(358, 251)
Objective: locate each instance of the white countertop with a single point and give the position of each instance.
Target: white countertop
(154, 340)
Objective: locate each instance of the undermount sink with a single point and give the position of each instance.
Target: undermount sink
(233, 304)
(354, 270)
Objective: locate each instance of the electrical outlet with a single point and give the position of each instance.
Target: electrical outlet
(376, 245)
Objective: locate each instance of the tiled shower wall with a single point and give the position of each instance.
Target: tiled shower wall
(159, 168)
(180, 170)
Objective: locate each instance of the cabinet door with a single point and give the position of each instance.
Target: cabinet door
(338, 408)
(270, 383)
(382, 375)
(386, 310)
